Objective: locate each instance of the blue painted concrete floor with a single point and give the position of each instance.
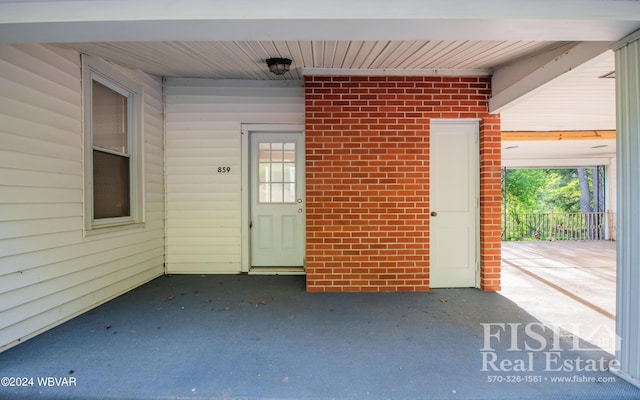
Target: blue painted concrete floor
(264, 337)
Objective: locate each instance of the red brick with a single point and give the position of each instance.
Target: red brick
(367, 179)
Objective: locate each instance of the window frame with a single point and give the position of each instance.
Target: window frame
(94, 69)
(269, 183)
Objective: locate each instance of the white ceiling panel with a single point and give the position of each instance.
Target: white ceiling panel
(557, 153)
(579, 100)
(232, 40)
(246, 59)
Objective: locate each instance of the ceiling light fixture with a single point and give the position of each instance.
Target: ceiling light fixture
(599, 146)
(279, 65)
(511, 147)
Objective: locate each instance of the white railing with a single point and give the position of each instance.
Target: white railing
(558, 226)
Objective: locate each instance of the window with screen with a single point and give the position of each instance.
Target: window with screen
(111, 169)
(113, 147)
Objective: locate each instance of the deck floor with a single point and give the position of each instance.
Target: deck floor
(264, 337)
(567, 284)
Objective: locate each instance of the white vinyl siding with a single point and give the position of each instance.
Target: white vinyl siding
(628, 218)
(203, 133)
(49, 270)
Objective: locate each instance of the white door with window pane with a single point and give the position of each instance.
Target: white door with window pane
(277, 199)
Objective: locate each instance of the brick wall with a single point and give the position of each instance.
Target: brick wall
(490, 203)
(367, 154)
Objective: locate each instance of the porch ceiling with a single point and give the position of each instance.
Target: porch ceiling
(231, 40)
(246, 59)
(578, 100)
(549, 154)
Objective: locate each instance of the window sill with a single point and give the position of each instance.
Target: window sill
(114, 228)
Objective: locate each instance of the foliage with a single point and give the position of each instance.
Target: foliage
(543, 190)
(561, 192)
(522, 187)
(532, 197)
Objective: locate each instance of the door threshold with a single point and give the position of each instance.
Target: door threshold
(277, 271)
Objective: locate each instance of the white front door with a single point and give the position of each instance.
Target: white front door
(454, 203)
(277, 203)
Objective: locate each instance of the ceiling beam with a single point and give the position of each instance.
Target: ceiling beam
(21, 11)
(555, 162)
(59, 21)
(306, 71)
(558, 135)
(518, 81)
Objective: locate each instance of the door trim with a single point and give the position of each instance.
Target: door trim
(247, 130)
(475, 122)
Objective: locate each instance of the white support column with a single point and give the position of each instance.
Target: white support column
(628, 216)
(611, 204)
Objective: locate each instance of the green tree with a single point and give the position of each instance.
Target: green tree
(522, 188)
(561, 193)
(584, 180)
(530, 194)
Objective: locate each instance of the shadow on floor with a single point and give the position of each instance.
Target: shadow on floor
(264, 337)
(568, 284)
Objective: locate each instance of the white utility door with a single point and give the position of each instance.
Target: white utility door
(454, 203)
(277, 226)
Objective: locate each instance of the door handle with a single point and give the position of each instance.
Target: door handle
(434, 214)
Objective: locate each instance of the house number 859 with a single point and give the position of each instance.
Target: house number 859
(224, 170)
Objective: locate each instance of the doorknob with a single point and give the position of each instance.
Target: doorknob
(434, 214)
